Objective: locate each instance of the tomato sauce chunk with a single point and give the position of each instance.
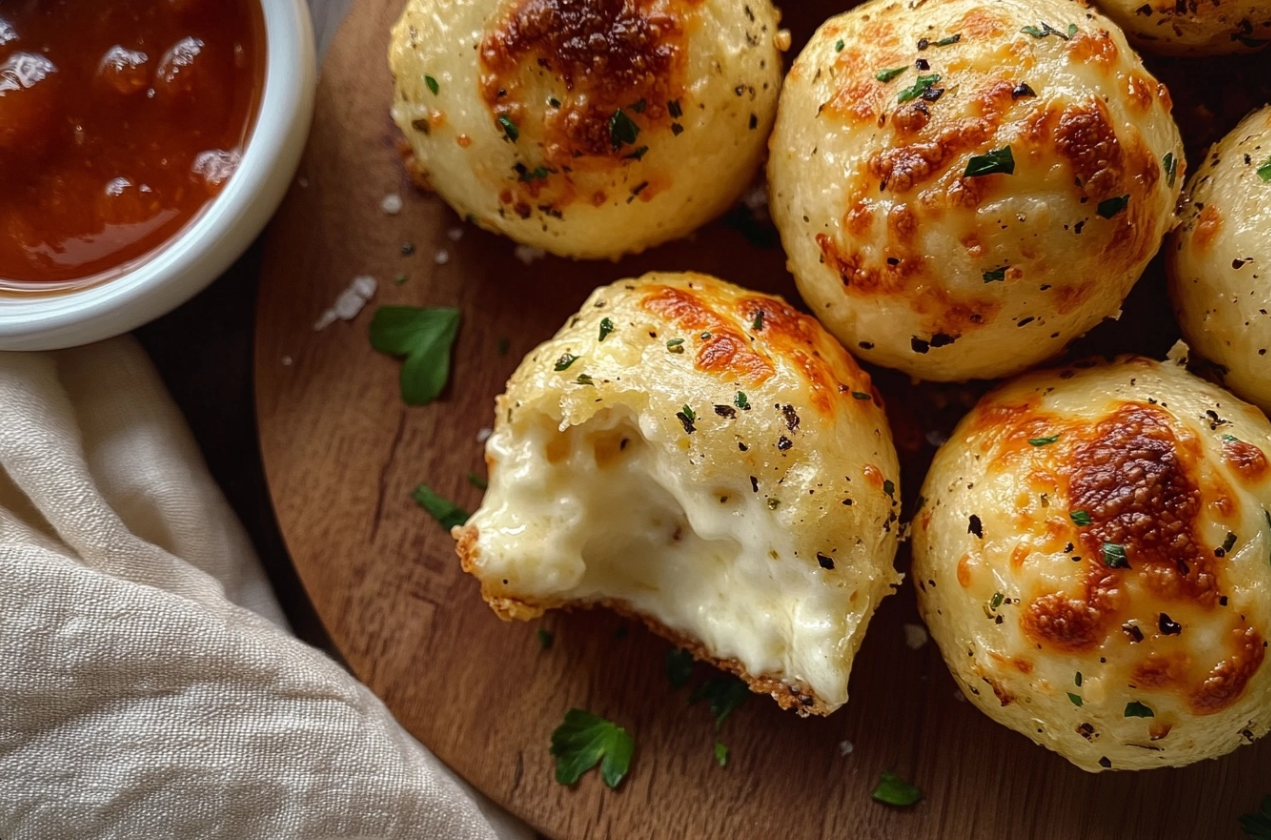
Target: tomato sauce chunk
(119, 121)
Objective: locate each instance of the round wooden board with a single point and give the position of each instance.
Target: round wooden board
(343, 453)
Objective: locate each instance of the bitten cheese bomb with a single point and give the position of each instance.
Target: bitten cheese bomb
(707, 459)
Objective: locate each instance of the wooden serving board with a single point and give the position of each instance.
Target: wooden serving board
(343, 453)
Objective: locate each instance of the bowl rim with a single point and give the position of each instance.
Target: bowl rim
(183, 266)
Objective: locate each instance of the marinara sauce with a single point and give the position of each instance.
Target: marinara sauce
(119, 121)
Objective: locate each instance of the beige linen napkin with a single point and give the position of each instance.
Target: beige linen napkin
(148, 686)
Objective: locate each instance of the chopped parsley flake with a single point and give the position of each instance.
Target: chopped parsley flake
(757, 324)
(1112, 206)
(861, 395)
(509, 128)
(1114, 556)
(921, 86)
(1043, 441)
(996, 601)
(999, 160)
(584, 379)
(1136, 709)
(893, 790)
(1046, 29)
(889, 487)
(741, 401)
(526, 176)
(637, 154)
(545, 639)
(1264, 171)
(432, 84)
(675, 345)
(606, 327)
(721, 754)
(622, 129)
(997, 275)
(585, 740)
(945, 42)
(890, 73)
(1229, 543)
(723, 693)
(553, 101)
(687, 417)
(446, 512)
(1075, 698)
(1077, 679)
(1080, 517)
(679, 667)
(1170, 164)
(565, 361)
(424, 337)
(638, 107)
(838, 45)
(673, 108)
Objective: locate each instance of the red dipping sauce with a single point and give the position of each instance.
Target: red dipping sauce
(119, 121)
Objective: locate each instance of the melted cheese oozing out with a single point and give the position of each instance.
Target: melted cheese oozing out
(600, 513)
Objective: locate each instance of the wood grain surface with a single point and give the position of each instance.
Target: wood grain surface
(342, 454)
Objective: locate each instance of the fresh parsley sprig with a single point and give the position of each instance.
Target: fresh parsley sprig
(585, 740)
(424, 337)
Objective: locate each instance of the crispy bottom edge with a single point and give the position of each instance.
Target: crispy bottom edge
(794, 696)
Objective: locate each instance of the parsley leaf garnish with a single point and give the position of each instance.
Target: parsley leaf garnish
(999, 160)
(1114, 556)
(1043, 441)
(1170, 163)
(1112, 206)
(894, 790)
(679, 667)
(1258, 826)
(744, 404)
(721, 754)
(891, 73)
(424, 337)
(918, 88)
(996, 601)
(606, 327)
(1081, 518)
(838, 45)
(1264, 171)
(622, 129)
(432, 84)
(1136, 709)
(945, 42)
(585, 740)
(444, 511)
(724, 694)
(1076, 699)
(564, 362)
(509, 128)
(1046, 29)
(997, 275)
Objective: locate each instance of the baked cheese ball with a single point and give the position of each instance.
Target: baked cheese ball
(1093, 556)
(963, 188)
(589, 128)
(1220, 260)
(705, 458)
(1193, 27)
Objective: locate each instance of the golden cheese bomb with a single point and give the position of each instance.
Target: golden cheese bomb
(962, 188)
(1093, 557)
(705, 458)
(1193, 27)
(589, 128)
(1220, 260)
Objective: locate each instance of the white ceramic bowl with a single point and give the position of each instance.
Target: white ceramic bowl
(163, 279)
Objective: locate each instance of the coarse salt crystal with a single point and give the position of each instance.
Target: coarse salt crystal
(959, 696)
(392, 204)
(286, 361)
(441, 257)
(484, 435)
(303, 183)
(349, 303)
(454, 234)
(935, 437)
(915, 636)
(846, 747)
(527, 255)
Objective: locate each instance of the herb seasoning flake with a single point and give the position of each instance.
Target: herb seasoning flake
(997, 161)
